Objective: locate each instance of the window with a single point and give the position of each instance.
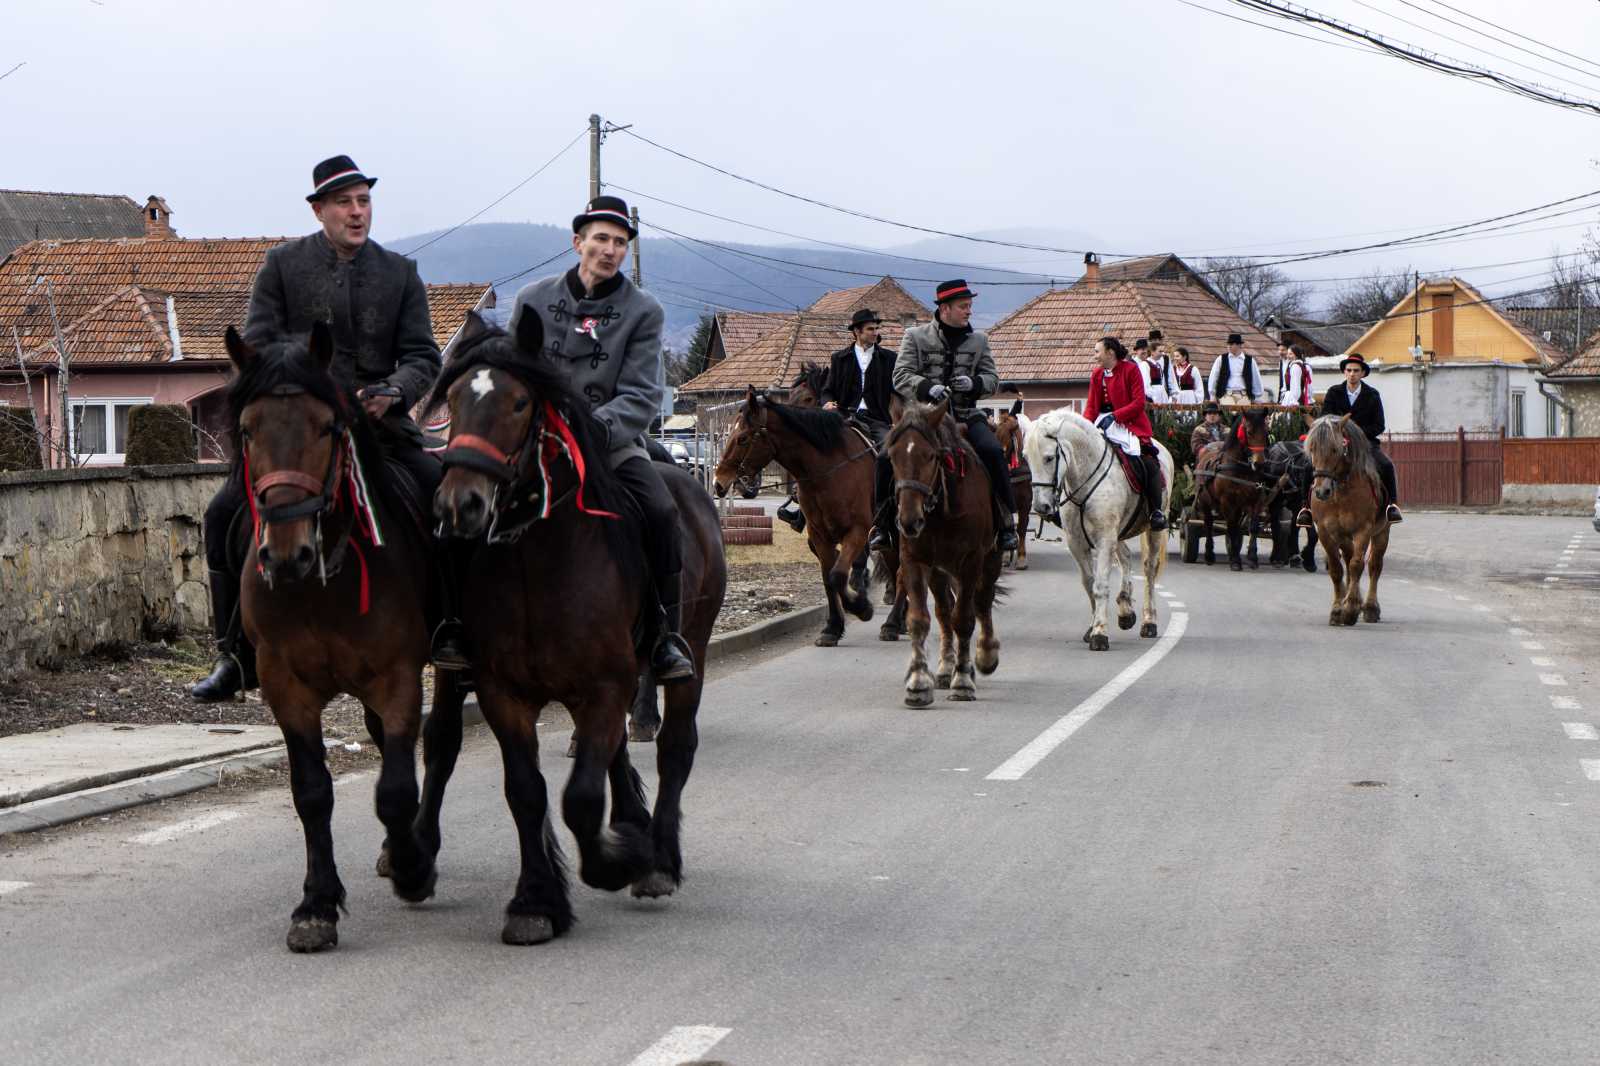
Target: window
(1518, 399)
(100, 428)
(1552, 417)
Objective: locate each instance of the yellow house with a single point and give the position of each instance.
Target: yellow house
(1478, 367)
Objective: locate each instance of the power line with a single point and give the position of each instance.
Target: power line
(13, 70)
(675, 283)
(543, 262)
(441, 236)
(1514, 33)
(722, 267)
(1278, 29)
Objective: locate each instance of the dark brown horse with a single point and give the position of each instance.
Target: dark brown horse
(1229, 482)
(1348, 507)
(335, 599)
(807, 388)
(948, 544)
(556, 602)
(1008, 431)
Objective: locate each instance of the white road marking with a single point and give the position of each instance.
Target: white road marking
(1052, 738)
(1515, 618)
(482, 383)
(1402, 581)
(1565, 703)
(1459, 599)
(1435, 588)
(1518, 631)
(1177, 604)
(8, 887)
(1591, 768)
(1532, 645)
(184, 828)
(1553, 679)
(350, 779)
(1541, 660)
(1165, 595)
(1580, 731)
(1479, 607)
(683, 1043)
(1552, 577)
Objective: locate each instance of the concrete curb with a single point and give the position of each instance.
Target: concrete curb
(158, 783)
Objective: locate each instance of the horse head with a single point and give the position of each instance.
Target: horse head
(749, 447)
(1008, 431)
(916, 447)
(1250, 432)
(1328, 448)
(290, 420)
(807, 388)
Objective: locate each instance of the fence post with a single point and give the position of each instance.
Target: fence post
(1461, 464)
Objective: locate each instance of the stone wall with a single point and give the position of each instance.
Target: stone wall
(91, 557)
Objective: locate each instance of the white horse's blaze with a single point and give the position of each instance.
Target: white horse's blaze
(482, 384)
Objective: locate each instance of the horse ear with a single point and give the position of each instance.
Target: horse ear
(321, 345)
(936, 416)
(239, 350)
(474, 327)
(530, 332)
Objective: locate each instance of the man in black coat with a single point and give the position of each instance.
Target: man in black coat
(1365, 407)
(377, 308)
(860, 385)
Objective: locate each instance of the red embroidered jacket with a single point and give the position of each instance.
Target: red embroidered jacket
(1125, 387)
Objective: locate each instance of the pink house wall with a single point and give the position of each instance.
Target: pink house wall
(181, 387)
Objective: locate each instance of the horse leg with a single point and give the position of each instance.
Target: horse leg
(1098, 640)
(1370, 611)
(1151, 546)
(987, 658)
(675, 748)
(858, 575)
(441, 744)
(852, 597)
(644, 718)
(399, 706)
(1355, 564)
(609, 857)
(1308, 557)
(1211, 552)
(1021, 562)
(540, 909)
(375, 732)
(964, 616)
(1085, 560)
(1125, 615)
(1336, 557)
(919, 684)
(1252, 519)
(1233, 538)
(827, 555)
(940, 585)
(314, 925)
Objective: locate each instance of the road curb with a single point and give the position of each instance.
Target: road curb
(155, 784)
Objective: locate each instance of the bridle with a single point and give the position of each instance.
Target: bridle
(1080, 496)
(936, 494)
(751, 435)
(321, 497)
(1339, 473)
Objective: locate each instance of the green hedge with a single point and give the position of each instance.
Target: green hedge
(19, 440)
(160, 434)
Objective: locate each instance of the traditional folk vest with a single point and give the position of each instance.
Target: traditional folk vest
(1227, 375)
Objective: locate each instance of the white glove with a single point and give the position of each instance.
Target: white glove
(961, 383)
(937, 392)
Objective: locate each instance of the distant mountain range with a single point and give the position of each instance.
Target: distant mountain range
(692, 279)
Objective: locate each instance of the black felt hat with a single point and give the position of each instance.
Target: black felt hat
(952, 290)
(1155, 335)
(1211, 407)
(606, 209)
(1141, 345)
(1357, 359)
(1235, 338)
(335, 173)
(863, 317)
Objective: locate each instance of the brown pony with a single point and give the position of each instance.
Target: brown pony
(1230, 482)
(947, 543)
(555, 601)
(334, 595)
(832, 466)
(1347, 506)
(1008, 431)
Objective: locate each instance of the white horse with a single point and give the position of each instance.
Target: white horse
(1077, 476)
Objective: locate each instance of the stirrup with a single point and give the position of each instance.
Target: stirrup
(672, 659)
(446, 650)
(1158, 520)
(791, 514)
(1392, 513)
(1303, 519)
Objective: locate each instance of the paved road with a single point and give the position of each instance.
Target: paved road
(1282, 843)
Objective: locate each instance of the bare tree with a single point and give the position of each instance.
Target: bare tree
(1257, 291)
(1369, 298)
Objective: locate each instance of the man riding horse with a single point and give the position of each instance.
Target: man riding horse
(377, 308)
(948, 359)
(1116, 406)
(604, 333)
(1365, 407)
(860, 384)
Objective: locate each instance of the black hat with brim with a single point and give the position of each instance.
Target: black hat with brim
(1235, 338)
(1155, 335)
(864, 317)
(952, 290)
(1355, 359)
(334, 174)
(606, 209)
(1141, 345)
(1211, 407)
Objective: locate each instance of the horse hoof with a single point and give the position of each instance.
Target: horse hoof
(641, 733)
(1022, 564)
(1371, 613)
(309, 935)
(889, 632)
(863, 609)
(1236, 566)
(962, 695)
(1334, 618)
(1087, 633)
(1126, 621)
(1310, 565)
(654, 885)
(987, 660)
(385, 864)
(827, 640)
(1099, 642)
(524, 929)
(1255, 565)
(1349, 618)
(922, 697)
(1210, 561)
(888, 595)
(942, 681)
(419, 889)
(1148, 629)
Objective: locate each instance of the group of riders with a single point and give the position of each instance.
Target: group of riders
(606, 334)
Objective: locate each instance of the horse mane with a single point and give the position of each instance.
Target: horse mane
(823, 430)
(1329, 433)
(916, 418)
(813, 377)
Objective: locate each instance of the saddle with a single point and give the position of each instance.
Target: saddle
(1139, 469)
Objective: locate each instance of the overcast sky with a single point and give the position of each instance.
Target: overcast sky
(1145, 125)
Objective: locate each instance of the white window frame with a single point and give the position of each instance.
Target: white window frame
(1517, 415)
(110, 403)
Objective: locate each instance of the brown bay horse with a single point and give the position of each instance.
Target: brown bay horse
(1008, 431)
(1230, 483)
(832, 466)
(1349, 509)
(947, 544)
(335, 598)
(555, 602)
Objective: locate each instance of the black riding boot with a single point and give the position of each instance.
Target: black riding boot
(883, 527)
(1152, 492)
(672, 659)
(1008, 525)
(1386, 475)
(790, 512)
(235, 669)
(449, 648)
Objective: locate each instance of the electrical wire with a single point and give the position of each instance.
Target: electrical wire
(543, 262)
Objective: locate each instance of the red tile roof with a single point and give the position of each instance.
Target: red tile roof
(740, 329)
(1052, 337)
(448, 306)
(1586, 364)
(886, 296)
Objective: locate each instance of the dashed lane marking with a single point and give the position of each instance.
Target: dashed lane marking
(197, 824)
(1591, 768)
(1552, 679)
(683, 1043)
(1580, 731)
(1035, 751)
(8, 887)
(1541, 660)
(1177, 605)
(1565, 703)
(1532, 645)
(1479, 607)
(1518, 631)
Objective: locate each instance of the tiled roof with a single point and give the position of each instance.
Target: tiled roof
(129, 326)
(886, 296)
(1335, 339)
(775, 360)
(1052, 337)
(740, 329)
(448, 306)
(1586, 364)
(30, 216)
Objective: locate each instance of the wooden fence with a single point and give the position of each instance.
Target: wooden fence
(1470, 469)
(1553, 461)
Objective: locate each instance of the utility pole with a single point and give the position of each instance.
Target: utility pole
(1416, 316)
(594, 156)
(638, 246)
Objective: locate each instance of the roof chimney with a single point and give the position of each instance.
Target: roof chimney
(158, 220)
(1091, 270)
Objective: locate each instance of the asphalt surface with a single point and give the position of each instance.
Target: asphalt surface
(1282, 843)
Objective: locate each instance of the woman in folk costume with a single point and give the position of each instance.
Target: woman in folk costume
(1116, 406)
(1188, 385)
(1149, 367)
(1294, 376)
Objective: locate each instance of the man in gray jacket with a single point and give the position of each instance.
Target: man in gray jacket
(948, 359)
(377, 308)
(605, 335)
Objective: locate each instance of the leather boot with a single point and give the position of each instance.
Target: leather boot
(790, 512)
(235, 669)
(1008, 529)
(882, 538)
(1152, 493)
(672, 659)
(449, 647)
